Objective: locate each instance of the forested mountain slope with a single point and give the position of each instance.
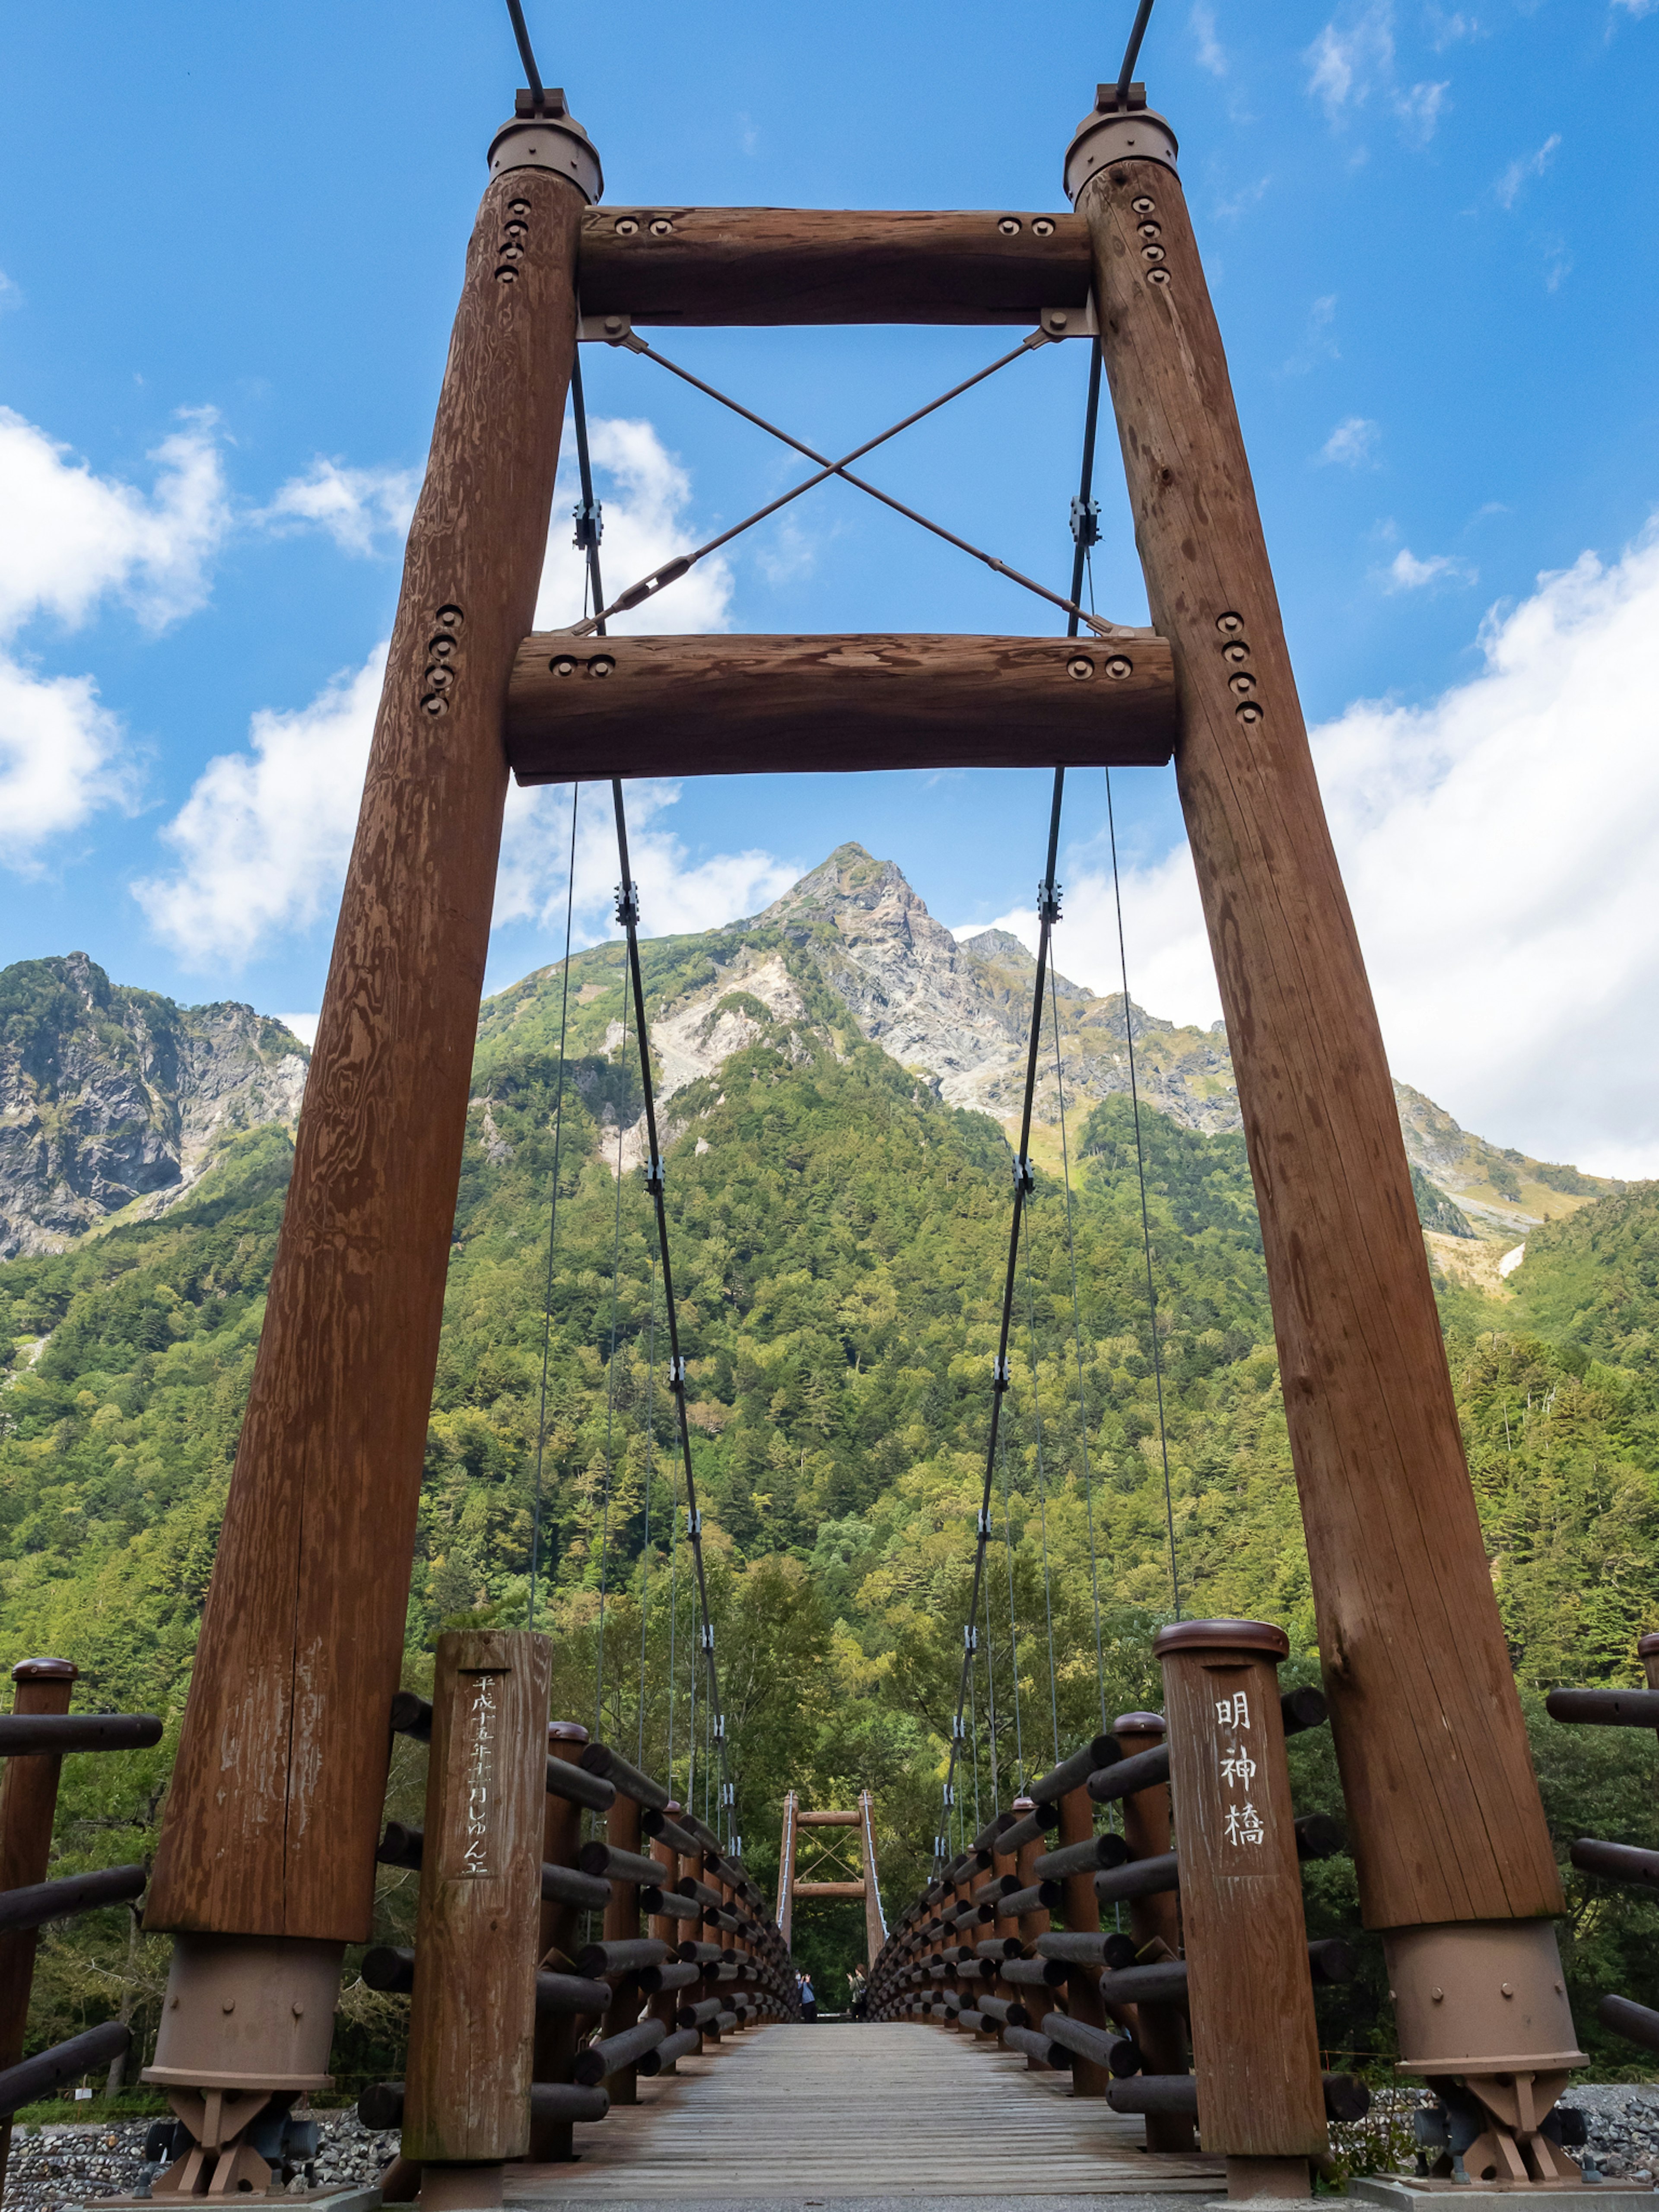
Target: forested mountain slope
(839, 1225)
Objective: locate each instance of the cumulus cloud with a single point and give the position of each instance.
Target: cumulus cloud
(1208, 47)
(1497, 845)
(356, 507)
(1351, 444)
(646, 495)
(263, 837)
(68, 540)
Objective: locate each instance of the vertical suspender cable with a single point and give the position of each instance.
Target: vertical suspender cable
(553, 1214)
(1082, 1395)
(650, 1468)
(1014, 1633)
(1042, 1497)
(609, 1411)
(1145, 1218)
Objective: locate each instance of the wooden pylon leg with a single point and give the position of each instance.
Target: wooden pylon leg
(28, 1805)
(271, 1822)
(1447, 1823)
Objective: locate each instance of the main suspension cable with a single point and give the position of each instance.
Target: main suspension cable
(1070, 608)
(1132, 52)
(553, 1213)
(526, 52)
(628, 914)
(1146, 1218)
(1024, 1189)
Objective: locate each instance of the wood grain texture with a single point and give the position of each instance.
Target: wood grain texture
(28, 1804)
(749, 706)
(1077, 1823)
(557, 1932)
(271, 1820)
(768, 266)
(1442, 1801)
(1256, 2046)
(466, 2092)
(882, 2111)
(1160, 2030)
(621, 1925)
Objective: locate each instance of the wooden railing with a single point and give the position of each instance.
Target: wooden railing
(33, 1739)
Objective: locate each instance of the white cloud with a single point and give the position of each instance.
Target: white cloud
(1208, 47)
(304, 1026)
(70, 537)
(1498, 848)
(1352, 442)
(59, 759)
(11, 294)
(674, 895)
(1637, 7)
(1508, 188)
(354, 506)
(1354, 58)
(1406, 573)
(645, 493)
(263, 837)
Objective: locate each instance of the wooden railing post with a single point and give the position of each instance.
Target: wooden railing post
(472, 2023)
(28, 1803)
(1077, 1825)
(665, 2005)
(1255, 2046)
(552, 2140)
(621, 1925)
(1413, 1649)
(272, 1817)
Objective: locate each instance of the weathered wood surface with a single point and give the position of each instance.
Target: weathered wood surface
(467, 2093)
(28, 1803)
(1414, 1653)
(829, 1889)
(621, 1925)
(276, 1800)
(750, 706)
(1255, 2046)
(767, 266)
(1077, 1823)
(1159, 2030)
(883, 2109)
(558, 1934)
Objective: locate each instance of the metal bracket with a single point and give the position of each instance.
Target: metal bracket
(551, 139)
(1070, 322)
(609, 329)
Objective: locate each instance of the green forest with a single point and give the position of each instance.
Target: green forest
(838, 1236)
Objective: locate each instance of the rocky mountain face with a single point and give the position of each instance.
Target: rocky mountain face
(112, 1098)
(113, 1101)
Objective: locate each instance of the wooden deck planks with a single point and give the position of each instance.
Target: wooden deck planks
(859, 2111)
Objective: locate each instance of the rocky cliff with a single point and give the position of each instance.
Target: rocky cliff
(113, 1101)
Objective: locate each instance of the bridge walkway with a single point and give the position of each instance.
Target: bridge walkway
(822, 2114)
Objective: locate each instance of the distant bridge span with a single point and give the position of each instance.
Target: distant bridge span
(862, 1884)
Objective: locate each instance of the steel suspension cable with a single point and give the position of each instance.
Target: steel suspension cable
(650, 1465)
(1132, 52)
(553, 1213)
(628, 914)
(610, 1415)
(1082, 1394)
(526, 51)
(1043, 1495)
(1025, 1186)
(1146, 1218)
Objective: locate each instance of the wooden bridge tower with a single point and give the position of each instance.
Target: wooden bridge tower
(864, 1886)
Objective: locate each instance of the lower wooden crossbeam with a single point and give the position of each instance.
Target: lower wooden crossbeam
(588, 707)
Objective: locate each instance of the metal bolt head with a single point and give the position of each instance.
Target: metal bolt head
(1158, 276)
(1230, 624)
(1009, 225)
(1081, 667)
(518, 207)
(626, 227)
(602, 666)
(1042, 228)
(615, 324)
(1236, 653)
(1118, 666)
(661, 227)
(1142, 204)
(1507, 1989)
(1151, 253)
(564, 666)
(1438, 1995)
(229, 2005)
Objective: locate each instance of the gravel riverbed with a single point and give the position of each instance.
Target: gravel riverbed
(72, 2164)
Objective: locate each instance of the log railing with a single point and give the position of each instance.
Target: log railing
(636, 1948)
(33, 1739)
(1213, 1969)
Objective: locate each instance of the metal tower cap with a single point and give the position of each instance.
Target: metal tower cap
(1111, 133)
(550, 139)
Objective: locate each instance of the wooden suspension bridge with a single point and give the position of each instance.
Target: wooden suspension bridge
(667, 2045)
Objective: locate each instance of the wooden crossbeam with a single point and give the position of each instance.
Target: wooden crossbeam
(590, 707)
(829, 1820)
(772, 265)
(828, 1888)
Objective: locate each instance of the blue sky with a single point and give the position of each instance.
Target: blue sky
(231, 241)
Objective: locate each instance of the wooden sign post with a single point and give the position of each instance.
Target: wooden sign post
(472, 2023)
(1255, 2046)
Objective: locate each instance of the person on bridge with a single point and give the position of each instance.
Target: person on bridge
(861, 1994)
(809, 2003)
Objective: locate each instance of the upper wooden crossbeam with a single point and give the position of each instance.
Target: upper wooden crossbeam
(582, 709)
(777, 265)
